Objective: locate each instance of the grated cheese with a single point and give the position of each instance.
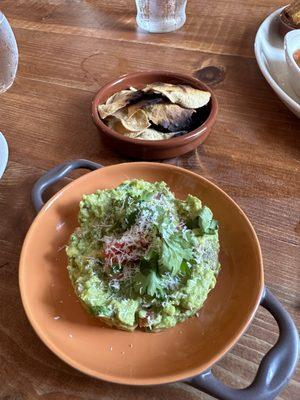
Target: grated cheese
(130, 246)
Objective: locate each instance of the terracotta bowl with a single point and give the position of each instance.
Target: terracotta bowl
(138, 358)
(156, 149)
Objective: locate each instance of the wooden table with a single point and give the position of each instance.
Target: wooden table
(70, 48)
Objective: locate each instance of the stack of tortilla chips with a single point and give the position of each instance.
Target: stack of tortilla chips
(156, 112)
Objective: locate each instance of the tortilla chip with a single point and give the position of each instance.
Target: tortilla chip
(143, 104)
(170, 116)
(118, 101)
(136, 122)
(153, 134)
(116, 124)
(157, 112)
(183, 95)
(147, 134)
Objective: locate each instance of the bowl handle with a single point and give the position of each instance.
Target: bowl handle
(276, 368)
(54, 175)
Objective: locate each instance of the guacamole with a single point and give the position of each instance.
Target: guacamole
(142, 258)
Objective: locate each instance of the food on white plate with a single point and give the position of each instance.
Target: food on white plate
(297, 57)
(141, 258)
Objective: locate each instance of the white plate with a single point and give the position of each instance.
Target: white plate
(270, 56)
(3, 154)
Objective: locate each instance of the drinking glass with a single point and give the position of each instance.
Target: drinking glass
(8, 55)
(159, 16)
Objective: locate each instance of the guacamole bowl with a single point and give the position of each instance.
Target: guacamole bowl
(185, 352)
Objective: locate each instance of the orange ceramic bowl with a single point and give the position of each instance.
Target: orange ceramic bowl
(139, 358)
(153, 149)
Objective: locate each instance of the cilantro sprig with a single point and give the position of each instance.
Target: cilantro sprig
(204, 222)
(148, 281)
(175, 250)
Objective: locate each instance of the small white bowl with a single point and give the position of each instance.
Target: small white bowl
(291, 45)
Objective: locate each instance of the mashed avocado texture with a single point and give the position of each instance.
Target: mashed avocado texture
(142, 258)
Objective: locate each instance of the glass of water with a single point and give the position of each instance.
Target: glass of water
(8, 55)
(159, 16)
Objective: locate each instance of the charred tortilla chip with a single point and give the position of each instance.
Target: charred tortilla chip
(117, 101)
(143, 104)
(170, 116)
(158, 111)
(147, 134)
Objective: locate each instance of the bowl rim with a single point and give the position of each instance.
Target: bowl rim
(289, 52)
(172, 377)
(172, 142)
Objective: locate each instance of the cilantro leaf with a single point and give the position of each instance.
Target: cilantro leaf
(204, 219)
(174, 251)
(170, 260)
(206, 222)
(148, 284)
(147, 280)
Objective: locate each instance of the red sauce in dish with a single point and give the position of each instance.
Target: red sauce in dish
(297, 57)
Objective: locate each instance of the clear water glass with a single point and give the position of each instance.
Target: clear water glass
(159, 16)
(8, 55)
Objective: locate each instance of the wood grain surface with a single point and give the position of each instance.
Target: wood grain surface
(68, 49)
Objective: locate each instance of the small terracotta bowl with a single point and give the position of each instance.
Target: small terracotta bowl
(156, 149)
(285, 25)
